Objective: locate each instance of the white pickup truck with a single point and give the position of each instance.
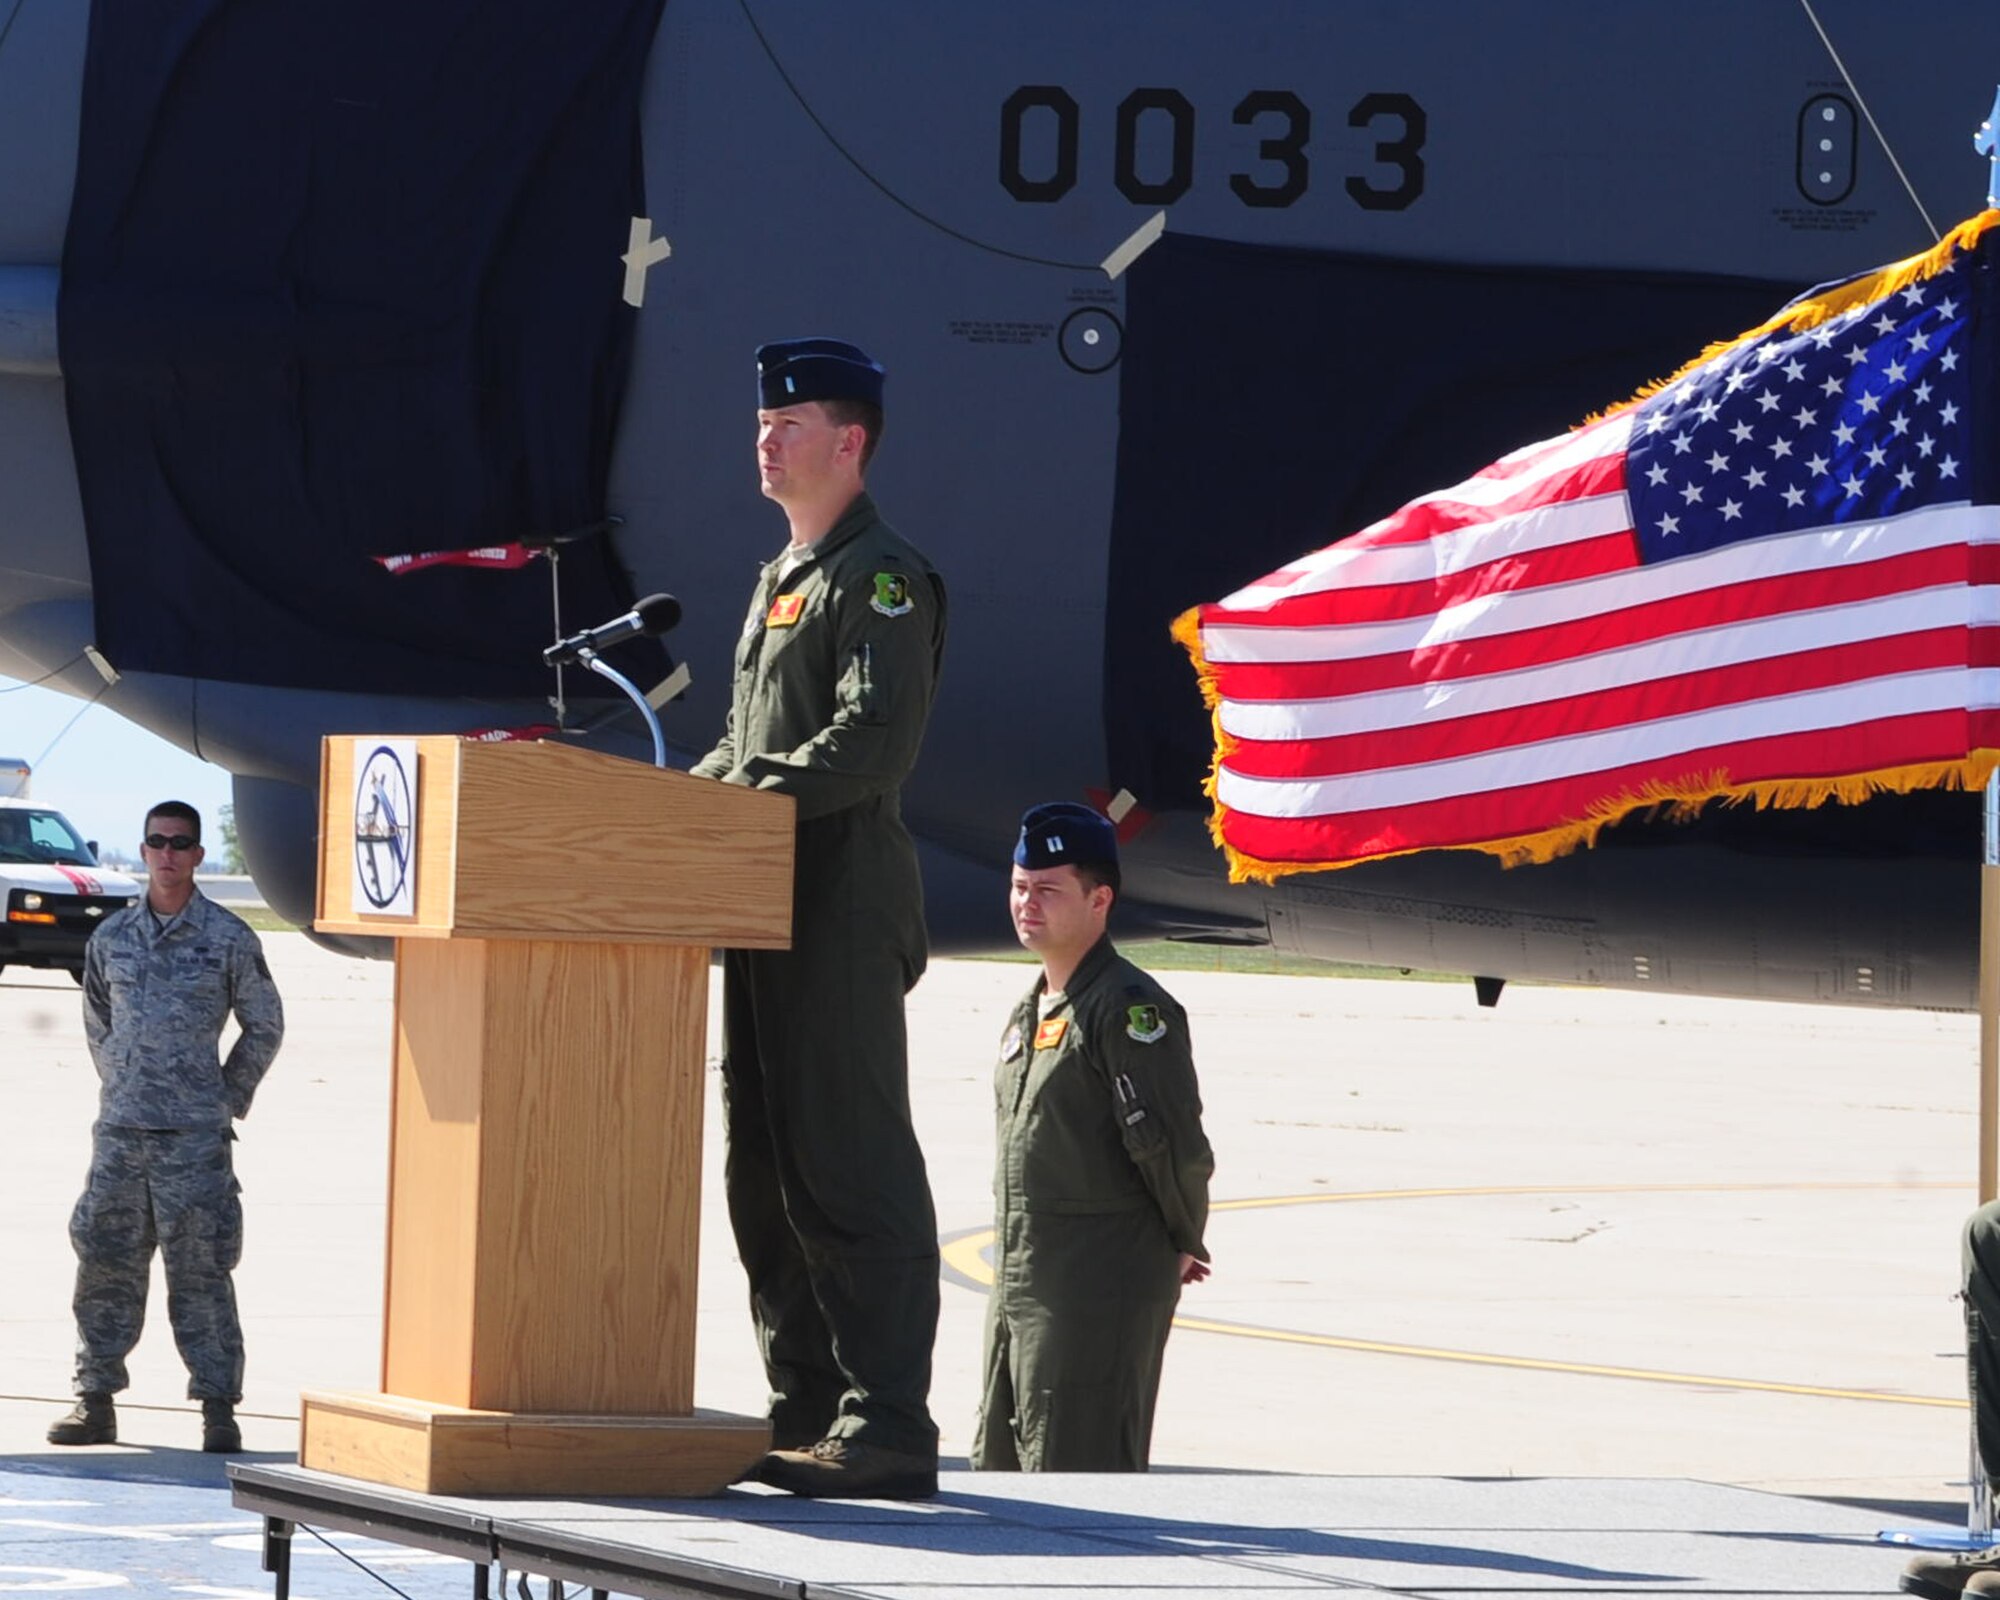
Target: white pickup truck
(54, 892)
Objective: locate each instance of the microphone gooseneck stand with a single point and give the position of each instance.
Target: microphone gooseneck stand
(590, 659)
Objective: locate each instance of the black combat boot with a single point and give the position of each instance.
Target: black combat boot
(219, 1434)
(1942, 1575)
(94, 1421)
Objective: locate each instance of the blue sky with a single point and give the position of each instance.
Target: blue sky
(105, 771)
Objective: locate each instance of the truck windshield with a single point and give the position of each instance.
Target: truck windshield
(41, 836)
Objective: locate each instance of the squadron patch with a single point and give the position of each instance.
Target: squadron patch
(892, 595)
(784, 610)
(1144, 1024)
(1050, 1033)
(1010, 1042)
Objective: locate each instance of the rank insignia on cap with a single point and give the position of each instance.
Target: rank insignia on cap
(1010, 1042)
(784, 611)
(1050, 1033)
(892, 594)
(793, 371)
(1143, 1023)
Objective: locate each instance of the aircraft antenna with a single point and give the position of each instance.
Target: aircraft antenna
(888, 193)
(11, 16)
(48, 750)
(1875, 127)
(53, 672)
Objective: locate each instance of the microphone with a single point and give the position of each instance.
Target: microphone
(652, 615)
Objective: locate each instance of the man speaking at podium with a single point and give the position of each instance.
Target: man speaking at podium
(828, 1196)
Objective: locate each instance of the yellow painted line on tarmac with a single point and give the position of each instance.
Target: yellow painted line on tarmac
(1529, 1363)
(966, 1256)
(1566, 1188)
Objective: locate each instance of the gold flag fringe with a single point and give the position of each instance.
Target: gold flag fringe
(1681, 800)
(1187, 630)
(1809, 314)
(1676, 802)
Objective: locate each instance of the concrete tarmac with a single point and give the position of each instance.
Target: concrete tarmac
(1587, 1234)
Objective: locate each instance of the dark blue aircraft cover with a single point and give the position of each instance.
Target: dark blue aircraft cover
(343, 281)
(1273, 399)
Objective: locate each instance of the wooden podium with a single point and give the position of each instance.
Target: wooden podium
(545, 1139)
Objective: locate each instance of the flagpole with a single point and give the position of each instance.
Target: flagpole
(1989, 998)
(1979, 1501)
(1979, 1504)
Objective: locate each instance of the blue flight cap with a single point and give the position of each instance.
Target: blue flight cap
(1063, 833)
(793, 371)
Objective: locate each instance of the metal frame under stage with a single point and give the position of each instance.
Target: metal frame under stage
(491, 1542)
(1217, 1535)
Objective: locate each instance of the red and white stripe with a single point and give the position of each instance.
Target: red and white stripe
(1491, 663)
(506, 557)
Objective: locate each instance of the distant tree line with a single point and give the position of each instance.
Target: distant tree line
(225, 854)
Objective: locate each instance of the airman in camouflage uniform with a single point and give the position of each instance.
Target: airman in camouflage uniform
(1100, 1184)
(160, 979)
(827, 1190)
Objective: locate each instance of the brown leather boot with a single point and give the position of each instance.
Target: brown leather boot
(94, 1421)
(848, 1469)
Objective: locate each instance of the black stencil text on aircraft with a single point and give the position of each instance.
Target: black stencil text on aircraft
(1154, 147)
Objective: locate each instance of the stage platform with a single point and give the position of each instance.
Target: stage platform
(1009, 1537)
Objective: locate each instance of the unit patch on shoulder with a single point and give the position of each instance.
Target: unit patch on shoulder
(1144, 1024)
(1010, 1042)
(784, 610)
(892, 595)
(1050, 1033)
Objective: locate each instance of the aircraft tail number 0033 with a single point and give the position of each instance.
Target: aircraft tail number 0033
(1049, 118)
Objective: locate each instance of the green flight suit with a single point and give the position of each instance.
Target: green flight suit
(827, 1190)
(1100, 1183)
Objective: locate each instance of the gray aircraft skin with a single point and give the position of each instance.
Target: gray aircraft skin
(941, 183)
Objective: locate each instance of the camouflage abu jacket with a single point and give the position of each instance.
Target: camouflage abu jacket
(154, 1004)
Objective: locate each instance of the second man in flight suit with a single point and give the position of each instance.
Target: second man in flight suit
(1100, 1184)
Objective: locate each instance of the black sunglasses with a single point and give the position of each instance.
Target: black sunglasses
(171, 841)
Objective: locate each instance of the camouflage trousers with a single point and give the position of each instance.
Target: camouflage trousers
(174, 1189)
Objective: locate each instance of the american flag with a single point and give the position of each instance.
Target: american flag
(1771, 578)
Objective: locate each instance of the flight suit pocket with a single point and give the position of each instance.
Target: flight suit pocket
(860, 698)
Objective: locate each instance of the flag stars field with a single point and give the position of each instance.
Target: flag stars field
(1911, 359)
